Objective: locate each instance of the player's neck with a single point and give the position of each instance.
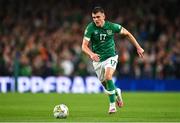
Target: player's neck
(102, 24)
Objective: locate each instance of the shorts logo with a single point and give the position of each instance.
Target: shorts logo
(109, 32)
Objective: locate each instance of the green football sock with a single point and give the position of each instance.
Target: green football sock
(111, 87)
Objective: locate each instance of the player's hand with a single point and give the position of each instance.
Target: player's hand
(140, 52)
(95, 57)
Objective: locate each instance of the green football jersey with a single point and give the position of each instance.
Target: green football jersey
(102, 38)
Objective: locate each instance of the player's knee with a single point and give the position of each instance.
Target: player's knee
(108, 77)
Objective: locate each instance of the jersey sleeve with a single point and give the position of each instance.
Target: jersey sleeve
(87, 33)
(116, 27)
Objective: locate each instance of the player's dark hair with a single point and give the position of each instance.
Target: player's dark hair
(97, 9)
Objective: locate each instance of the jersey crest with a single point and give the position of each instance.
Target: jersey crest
(109, 32)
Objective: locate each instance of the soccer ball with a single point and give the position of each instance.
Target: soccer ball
(61, 111)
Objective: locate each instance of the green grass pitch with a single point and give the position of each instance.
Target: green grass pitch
(139, 106)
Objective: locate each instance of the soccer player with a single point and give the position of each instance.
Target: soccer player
(102, 52)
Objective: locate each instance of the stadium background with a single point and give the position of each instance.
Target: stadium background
(40, 52)
(43, 38)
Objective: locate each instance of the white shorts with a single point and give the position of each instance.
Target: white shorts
(100, 67)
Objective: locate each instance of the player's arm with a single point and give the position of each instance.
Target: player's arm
(140, 50)
(87, 50)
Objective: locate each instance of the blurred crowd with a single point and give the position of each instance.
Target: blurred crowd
(43, 37)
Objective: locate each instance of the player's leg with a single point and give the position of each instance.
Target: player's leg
(110, 88)
(100, 71)
(119, 100)
(111, 64)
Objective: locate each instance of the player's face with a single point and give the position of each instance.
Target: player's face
(98, 19)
